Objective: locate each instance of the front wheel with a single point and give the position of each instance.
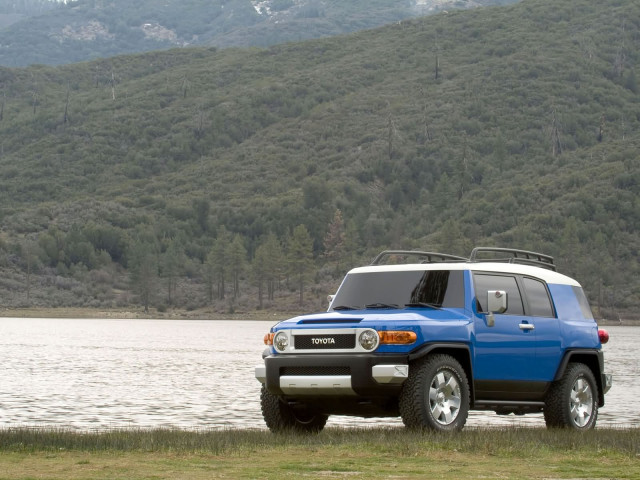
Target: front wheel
(436, 395)
(572, 401)
(280, 416)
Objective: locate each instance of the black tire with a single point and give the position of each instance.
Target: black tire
(280, 416)
(436, 395)
(572, 401)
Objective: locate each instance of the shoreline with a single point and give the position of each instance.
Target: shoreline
(183, 314)
(132, 313)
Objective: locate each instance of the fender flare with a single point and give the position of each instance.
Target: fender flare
(592, 358)
(460, 351)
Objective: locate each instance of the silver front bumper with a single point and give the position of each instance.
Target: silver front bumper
(336, 385)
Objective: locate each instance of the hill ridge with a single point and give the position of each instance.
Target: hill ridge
(525, 135)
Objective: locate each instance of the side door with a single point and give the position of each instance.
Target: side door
(506, 351)
(542, 315)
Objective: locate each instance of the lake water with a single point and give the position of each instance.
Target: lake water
(104, 374)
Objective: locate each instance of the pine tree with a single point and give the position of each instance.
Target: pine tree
(259, 271)
(334, 240)
(237, 262)
(143, 270)
(218, 261)
(300, 256)
(172, 263)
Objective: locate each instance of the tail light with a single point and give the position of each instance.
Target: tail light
(603, 335)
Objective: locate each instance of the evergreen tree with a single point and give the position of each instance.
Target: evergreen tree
(143, 268)
(237, 256)
(300, 257)
(334, 240)
(172, 264)
(275, 264)
(218, 261)
(259, 271)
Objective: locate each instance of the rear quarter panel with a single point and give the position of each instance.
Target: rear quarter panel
(575, 330)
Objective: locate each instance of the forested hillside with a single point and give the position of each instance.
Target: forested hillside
(34, 32)
(179, 177)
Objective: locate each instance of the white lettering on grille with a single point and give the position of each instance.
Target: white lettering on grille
(323, 341)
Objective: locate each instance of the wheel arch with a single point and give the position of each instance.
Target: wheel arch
(459, 351)
(593, 359)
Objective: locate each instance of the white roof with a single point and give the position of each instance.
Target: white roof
(548, 276)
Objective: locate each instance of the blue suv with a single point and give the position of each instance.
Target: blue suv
(433, 338)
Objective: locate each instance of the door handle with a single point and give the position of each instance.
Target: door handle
(527, 326)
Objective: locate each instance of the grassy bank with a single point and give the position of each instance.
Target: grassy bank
(335, 453)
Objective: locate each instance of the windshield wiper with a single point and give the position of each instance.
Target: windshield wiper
(345, 307)
(424, 304)
(381, 305)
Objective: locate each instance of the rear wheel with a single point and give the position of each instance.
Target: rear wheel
(436, 395)
(572, 402)
(280, 416)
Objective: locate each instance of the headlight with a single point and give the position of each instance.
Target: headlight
(369, 339)
(281, 341)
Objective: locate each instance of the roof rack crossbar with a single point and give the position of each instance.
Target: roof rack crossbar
(515, 256)
(429, 257)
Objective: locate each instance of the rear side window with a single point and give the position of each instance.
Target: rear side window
(485, 282)
(538, 298)
(584, 303)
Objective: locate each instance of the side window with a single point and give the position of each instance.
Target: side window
(538, 298)
(584, 303)
(440, 287)
(485, 282)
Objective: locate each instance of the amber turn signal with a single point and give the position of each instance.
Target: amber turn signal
(268, 338)
(397, 337)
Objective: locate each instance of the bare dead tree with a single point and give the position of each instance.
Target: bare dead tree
(426, 130)
(185, 86)
(437, 75)
(601, 128)
(66, 108)
(200, 127)
(4, 98)
(392, 132)
(556, 144)
(620, 57)
(113, 85)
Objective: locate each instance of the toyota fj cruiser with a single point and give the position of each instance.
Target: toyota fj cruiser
(432, 339)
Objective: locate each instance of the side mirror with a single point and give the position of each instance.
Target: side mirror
(496, 303)
(330, 300)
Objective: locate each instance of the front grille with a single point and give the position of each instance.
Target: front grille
(325, 342)
(315, 371)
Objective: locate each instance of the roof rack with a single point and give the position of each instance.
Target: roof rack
(515, 256)
(428, 257)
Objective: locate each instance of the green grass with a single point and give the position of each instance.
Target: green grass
(335, 453)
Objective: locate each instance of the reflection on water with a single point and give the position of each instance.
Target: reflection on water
(90, 374)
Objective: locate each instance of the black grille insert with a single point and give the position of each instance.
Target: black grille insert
(324, 342)
(315, 371)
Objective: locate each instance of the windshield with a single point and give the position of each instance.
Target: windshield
(431, 288)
